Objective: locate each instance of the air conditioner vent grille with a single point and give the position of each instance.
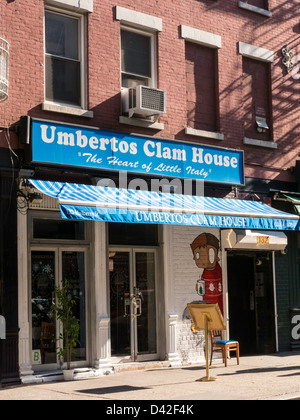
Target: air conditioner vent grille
(143, 101)
(153, 99)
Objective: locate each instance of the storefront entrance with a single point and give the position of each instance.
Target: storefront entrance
(133, 303)
(251, 301)
(49, 269)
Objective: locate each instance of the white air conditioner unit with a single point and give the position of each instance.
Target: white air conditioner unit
(144, 101)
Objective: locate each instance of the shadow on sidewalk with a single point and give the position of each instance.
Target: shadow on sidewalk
(111, 389)
(265, 370)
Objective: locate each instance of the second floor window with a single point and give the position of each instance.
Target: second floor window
(263, 4)
(201, 67)
(137, 58)
(257, 103)
(63, 58)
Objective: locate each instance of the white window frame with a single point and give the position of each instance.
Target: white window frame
(60, 106)
(153, 78)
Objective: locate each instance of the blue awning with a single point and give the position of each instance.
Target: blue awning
(90, 202)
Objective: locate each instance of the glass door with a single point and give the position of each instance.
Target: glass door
(73, 272)
(43, 277)
(49, 269)
(146, 319)
(120, 286)
(133, 306)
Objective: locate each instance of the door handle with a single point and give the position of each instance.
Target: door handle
(252, 307)
(127, 306)
(136, 306)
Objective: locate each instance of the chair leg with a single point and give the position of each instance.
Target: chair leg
(238, 353)
(225, 355)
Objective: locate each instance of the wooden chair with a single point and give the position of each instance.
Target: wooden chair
(47, 336)
(223, 346)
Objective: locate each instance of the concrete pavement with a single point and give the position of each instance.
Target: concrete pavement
(271, 377)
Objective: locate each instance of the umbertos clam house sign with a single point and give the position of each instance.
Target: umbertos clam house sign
(68, 145)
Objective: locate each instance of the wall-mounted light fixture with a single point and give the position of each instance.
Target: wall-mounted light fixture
(35, 198)
(287, 58)
(27, 196)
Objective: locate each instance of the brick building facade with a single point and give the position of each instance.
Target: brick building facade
(226, 86)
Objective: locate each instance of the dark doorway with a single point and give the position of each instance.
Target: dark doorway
(251, 301)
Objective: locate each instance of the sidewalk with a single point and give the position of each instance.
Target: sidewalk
(271, 377)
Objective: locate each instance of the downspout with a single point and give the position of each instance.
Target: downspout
(275, 301)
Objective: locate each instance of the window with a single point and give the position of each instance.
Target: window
(138, 32)
(201, 86)
(256, 99)
(48, 227)
(63, 58)
(137, 58)
(58, 229)
(202, 89)
(257, 103)
(256, 6)
(263, 4)
(132, 234)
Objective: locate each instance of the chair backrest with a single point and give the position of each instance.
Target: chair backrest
(216, 334)
(47, 331)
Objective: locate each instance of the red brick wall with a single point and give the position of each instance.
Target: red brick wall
(23, 28)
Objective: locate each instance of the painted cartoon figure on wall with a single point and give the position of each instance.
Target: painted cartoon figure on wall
(205, 250)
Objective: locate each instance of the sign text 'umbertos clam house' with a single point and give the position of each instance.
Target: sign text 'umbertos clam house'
(67, 145)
